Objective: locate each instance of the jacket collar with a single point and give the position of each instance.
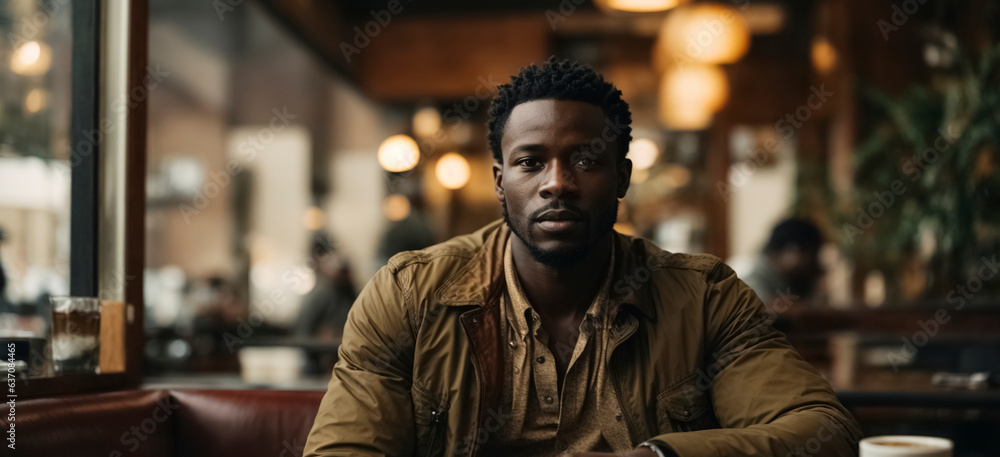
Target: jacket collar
(484, 272)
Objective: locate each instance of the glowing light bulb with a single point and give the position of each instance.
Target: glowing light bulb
(31, 59)
(398, 153)
(426, 122)
(690, 95)
(704, 33)
(35, 100)
(643, 153)
(638, 6)
(396, 207)
(452, 171)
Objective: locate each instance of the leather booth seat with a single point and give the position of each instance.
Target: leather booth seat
(161, 423)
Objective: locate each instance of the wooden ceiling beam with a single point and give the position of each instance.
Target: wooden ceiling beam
(321, 27)
(451, 57)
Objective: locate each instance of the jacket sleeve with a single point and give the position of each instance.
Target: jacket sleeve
(769, 401)
(368, 409)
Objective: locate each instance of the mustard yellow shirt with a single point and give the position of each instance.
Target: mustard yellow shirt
(546, 418)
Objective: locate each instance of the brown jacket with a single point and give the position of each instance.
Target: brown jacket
(420, 367)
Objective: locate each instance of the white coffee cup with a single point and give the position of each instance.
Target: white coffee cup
(905, 446)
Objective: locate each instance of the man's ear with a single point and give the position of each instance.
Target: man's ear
(498, 181)
(624, 177)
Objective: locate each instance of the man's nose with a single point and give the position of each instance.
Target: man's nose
(559, 181)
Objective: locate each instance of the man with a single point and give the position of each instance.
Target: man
(789, 262)
(549, 333)
(325, 307)
(4, 306)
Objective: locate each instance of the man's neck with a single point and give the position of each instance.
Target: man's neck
(566, 290)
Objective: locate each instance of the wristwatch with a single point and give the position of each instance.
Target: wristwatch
(659, 448)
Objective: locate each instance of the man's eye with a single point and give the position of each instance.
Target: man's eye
(530, 163)
(585, 162)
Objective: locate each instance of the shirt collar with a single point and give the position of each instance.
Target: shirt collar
(524, 316)
(481, 279)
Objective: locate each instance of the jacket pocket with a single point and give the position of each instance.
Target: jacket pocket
(685, 407)
(430, 415)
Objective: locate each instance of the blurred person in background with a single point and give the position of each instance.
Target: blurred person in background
(549, 333)
(216, 312)
(789, 264)
(325, 307)
(5, 306)
(411, 233)
(216, 303)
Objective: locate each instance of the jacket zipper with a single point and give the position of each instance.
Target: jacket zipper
(437, 419)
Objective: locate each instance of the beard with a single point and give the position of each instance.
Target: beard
(556, 259)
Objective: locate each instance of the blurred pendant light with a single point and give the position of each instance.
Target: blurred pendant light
(643, 153)
(426, 122)
(690, 95)
(35, 100)
(398, 153)
(704, 33)
(396, 207)
(452, 171)
(636, 6)
(31, 59)
(823, 54)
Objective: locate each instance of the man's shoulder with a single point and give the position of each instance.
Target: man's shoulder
(674, 262)
(457, 250)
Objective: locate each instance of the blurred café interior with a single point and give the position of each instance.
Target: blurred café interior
(226, 175)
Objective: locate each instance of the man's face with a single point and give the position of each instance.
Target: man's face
(561, 178)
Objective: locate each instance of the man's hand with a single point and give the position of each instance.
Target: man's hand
(641, 452)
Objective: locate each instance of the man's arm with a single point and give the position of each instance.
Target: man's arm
(769, 400)
(367, 409)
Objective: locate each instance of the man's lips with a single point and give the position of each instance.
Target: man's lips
(559, 215)
(556, 226)
(556, 221)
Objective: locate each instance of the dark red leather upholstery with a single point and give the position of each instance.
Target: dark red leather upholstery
(130, 423)
(215, 423)
(160, 423)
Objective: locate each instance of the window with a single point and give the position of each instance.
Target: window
(35, 177)
(72, 128)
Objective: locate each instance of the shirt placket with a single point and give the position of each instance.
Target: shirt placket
(544, 370)
(576, 371)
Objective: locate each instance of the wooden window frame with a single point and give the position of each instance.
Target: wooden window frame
(85, 202)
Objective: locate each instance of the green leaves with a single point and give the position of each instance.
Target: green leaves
(940, 140)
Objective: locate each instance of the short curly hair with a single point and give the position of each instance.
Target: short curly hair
(559, 80)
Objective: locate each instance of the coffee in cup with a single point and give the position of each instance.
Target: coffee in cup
(76, 335)
(905, 446)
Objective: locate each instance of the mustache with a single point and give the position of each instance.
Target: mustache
(558, 207)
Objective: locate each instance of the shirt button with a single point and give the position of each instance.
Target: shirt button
(549, 399)
(512, 343)
(687, 412)
(562, 446)
(541, 359)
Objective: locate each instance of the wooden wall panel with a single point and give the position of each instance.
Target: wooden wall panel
(450, 57)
